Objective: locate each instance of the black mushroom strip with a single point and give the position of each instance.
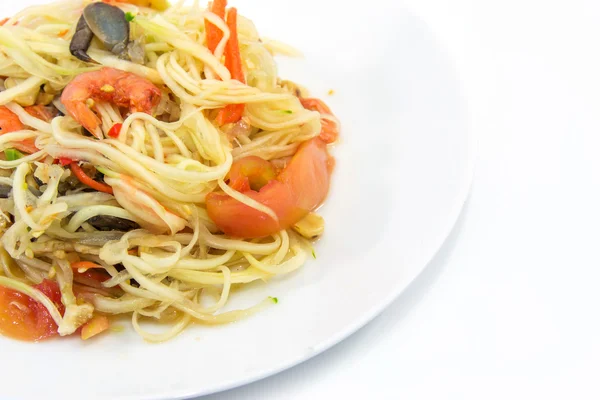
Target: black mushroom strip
(5, 191)
(109, 223)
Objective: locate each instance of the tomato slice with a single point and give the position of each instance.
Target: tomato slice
(23, 318)
(299, 189)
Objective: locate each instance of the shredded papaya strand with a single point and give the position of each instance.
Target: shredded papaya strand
(213, 34)
(233, 61)
(86, 180)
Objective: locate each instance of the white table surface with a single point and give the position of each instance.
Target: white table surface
(509, 307)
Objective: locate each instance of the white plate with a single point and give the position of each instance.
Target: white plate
(403, 173)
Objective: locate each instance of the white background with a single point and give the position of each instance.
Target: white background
(509, 307)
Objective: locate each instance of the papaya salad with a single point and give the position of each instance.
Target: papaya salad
(152, 163)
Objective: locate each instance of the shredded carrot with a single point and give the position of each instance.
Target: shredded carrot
(213, 34)
(233, 58)
(63, 33)
(84, 265)
(230, 114)
(233, 61)
(4, 21)
(86, 180)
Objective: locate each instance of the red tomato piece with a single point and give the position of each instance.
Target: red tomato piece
(299, 189)
(251, 172)
(23, 318)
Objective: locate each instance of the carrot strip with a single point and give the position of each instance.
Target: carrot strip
(233, 57)
(233, 61)
(213, 34)
(230, 114)
(86, 180)
(84, 265)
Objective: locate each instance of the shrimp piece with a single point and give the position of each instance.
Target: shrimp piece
(108, 85)
(330, 129)
(148, 212)
(41, 112)
(10, 122)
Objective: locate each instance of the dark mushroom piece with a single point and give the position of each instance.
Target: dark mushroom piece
(109, 223)
(5, 191)
(108, 23)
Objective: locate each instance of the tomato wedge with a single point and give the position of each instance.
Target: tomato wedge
(299, 189)
(23, 318)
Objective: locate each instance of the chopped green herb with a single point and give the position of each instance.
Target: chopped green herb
(12, 154)
(129, 16)
(275, 300)
(314, 255)
(287, 111)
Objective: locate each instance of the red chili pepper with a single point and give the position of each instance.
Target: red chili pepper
(115, 131)
(64, 161)
(86, 180)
